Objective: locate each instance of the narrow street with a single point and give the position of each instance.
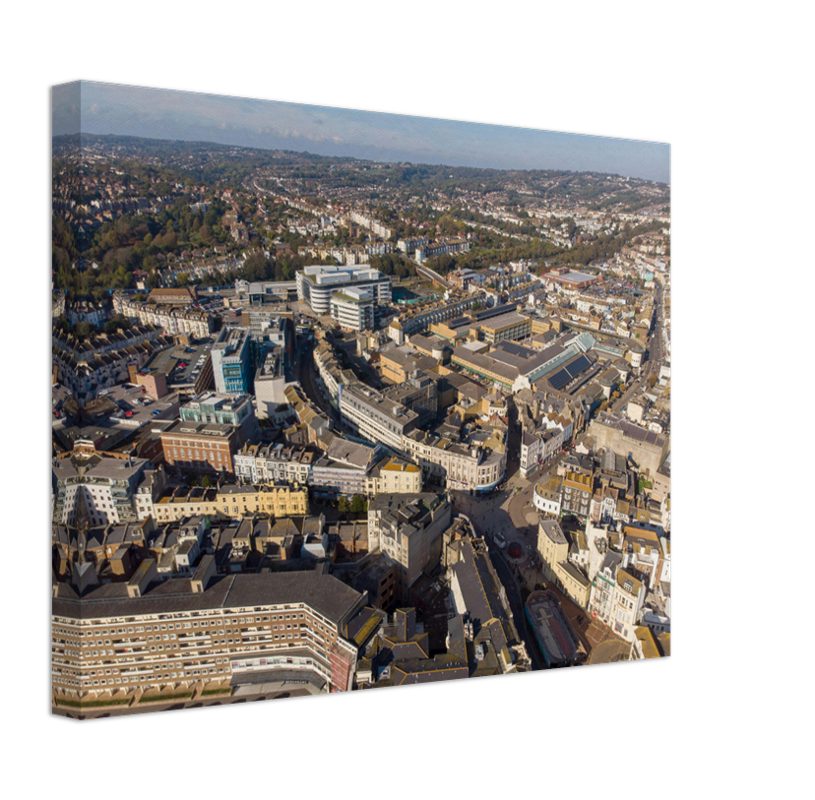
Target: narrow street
(306, 373)
(499, 561)
(512, 515)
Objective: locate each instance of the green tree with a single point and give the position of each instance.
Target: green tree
(82, 329)
(358, 504)
(116, 323)
(343, 504)
(256, 268)
(442, 264)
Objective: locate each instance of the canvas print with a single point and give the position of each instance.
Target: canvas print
(344, 400)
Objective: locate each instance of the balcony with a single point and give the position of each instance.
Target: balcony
(134, 646)
(186, 647)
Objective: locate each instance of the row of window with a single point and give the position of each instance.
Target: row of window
(127, 680)
(230, 614)
(213, 456)
(273, 617)
(250, 467)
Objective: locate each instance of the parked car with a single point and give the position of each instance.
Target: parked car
(499, 539)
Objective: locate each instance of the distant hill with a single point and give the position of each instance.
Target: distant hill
(194, 156)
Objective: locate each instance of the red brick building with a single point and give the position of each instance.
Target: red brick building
(201, 446)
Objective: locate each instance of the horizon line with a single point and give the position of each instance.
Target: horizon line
(370, 160)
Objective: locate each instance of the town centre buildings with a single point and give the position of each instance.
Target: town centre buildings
(217, 631)
(316, 285)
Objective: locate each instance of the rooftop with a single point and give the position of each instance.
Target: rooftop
(553, 531)
(552, 630)
(184, 427)
(400, 465)
(324, 593)
(504, 321)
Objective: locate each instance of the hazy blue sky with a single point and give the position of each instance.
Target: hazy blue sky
(164, 114)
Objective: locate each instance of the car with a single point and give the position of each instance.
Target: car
(500, 540)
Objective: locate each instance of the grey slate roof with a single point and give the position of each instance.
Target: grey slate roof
(324, 593)
(479, 590)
